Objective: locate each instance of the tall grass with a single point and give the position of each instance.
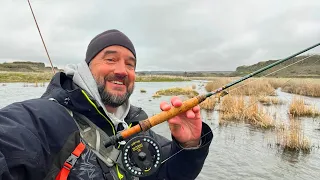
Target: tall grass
(251, 87)
(291, 137)
(306, 86)
(299, 108)
(209, 103)
(236, 108)
(267, 100)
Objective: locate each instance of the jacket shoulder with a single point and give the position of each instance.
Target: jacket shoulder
(31, 132)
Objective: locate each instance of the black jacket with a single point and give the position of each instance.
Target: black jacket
(32, 132)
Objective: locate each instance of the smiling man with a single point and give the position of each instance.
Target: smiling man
(60, 135)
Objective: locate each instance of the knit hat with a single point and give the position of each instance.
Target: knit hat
(105, 39)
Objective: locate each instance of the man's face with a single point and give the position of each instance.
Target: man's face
(114, 71)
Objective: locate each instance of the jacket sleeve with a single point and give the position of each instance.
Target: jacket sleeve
(181, 164)
(25, 145)
(19, 147)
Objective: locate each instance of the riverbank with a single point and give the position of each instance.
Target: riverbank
(38, 77)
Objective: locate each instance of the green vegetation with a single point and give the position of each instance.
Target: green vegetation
(177, 91)
(31, 77)
(25, 67)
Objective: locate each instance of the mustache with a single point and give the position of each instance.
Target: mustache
(124, 79)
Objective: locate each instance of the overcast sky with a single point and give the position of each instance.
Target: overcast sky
(216, 35)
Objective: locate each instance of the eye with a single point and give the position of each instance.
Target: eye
(110, 60)
(131, 65)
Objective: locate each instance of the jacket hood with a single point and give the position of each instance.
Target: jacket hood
(67, 87)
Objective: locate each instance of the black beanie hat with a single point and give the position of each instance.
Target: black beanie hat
(105, 39)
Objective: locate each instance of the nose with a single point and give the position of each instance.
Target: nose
(120, 70)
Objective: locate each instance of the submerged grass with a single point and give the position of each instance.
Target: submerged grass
(305, 86)
(177, 91)
(267, 86)
(267, 100)
(236, 108)
(299, 108)
(291, 138)
(209, 103)
(250, 87)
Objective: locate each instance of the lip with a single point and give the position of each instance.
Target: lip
(115, 85)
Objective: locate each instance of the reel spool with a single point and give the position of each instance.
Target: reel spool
(141, 156)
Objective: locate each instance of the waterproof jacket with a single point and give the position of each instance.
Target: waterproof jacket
(34, 131)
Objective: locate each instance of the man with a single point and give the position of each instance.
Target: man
(59, 135)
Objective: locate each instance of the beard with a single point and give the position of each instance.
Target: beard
(110, 99)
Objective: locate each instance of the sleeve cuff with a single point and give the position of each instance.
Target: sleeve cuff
(196, 147)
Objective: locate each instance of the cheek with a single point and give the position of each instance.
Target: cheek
(131, 77)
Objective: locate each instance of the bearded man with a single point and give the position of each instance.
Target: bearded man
(61, 134)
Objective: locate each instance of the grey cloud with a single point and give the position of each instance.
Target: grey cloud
(168, 35)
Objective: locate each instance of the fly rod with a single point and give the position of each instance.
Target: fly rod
(163, 116)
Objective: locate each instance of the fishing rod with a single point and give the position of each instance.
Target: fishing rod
(163, 116)
(45, 47)
(141, 154)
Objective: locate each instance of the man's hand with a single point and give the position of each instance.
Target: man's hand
(185, 127)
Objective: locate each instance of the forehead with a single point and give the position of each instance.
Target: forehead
(117, 50)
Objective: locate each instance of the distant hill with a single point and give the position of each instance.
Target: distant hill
(307, 68)
(20, 66)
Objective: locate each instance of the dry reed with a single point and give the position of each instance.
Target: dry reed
(267, 100)
(235, 108)
(254, 86)
(299, 108)
(255, 115)
(305, 86)
(156, 95)
(209, 103)
(178, 91)
(231, 109)
(290, 137)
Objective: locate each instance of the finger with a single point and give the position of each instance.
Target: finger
(190, 114)
(176, 101)
(164, 106)
(196, 109)
(198, 115)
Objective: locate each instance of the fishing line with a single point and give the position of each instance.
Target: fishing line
(273, 72)
(184, 148)
(246, 107)
(45, 47)
(283, 83)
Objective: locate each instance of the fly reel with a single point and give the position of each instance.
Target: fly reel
(141, 156)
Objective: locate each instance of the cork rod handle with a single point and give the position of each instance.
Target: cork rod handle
(162, 116)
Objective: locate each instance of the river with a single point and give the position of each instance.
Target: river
(238, 151)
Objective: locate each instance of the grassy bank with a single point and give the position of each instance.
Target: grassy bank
(9, 77)
(29, 77)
